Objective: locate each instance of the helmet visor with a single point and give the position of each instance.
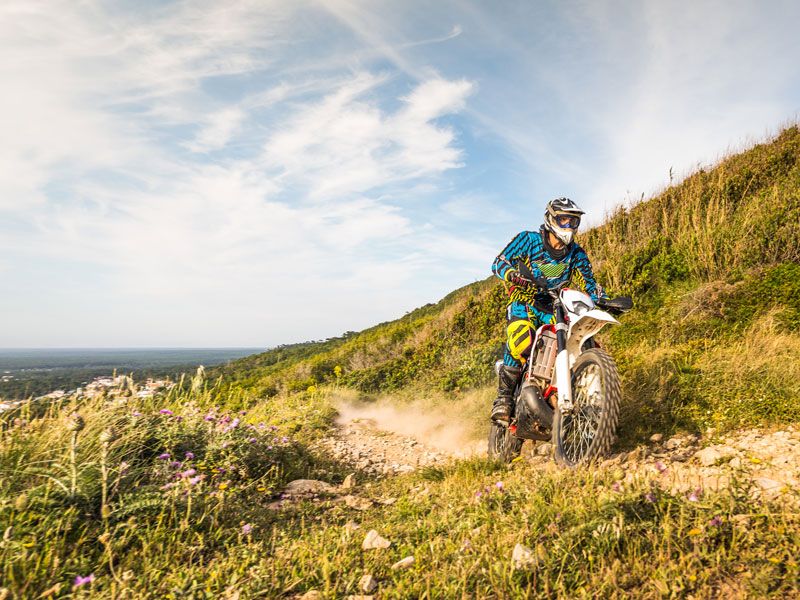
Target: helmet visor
(568, 221)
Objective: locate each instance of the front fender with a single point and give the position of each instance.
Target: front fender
(584, 327)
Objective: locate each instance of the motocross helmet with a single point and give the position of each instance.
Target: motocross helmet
(562, 218)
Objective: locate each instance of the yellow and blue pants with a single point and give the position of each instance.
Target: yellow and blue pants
(523, 321)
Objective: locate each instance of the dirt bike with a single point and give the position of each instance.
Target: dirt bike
(569, 391)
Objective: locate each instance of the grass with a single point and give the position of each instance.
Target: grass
(162, 535)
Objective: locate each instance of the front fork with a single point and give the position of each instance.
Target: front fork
(562, 362)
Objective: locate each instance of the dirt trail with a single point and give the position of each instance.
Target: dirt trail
(386, 440)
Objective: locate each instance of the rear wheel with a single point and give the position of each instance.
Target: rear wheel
(503, 445)
(588, 431)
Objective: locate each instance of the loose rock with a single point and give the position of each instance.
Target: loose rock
(351, 526)
(303, 487)
(522, 557)
(373, 541)
(656, 437)
(349, 482)
(311, 595)
(708, 457)
(404, 563)
(767, 484)
(368, 583)
(544, 449)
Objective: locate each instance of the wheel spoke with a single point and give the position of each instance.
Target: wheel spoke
(579, 428)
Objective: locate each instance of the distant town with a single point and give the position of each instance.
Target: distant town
(114, 386)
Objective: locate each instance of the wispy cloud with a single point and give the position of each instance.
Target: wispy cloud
(265, 171)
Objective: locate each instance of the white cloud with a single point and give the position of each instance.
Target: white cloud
(218, 130)
(94, 170)
(346, 144)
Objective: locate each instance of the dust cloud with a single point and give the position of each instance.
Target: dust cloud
(457, 428)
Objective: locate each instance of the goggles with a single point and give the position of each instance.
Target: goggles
(568, 221)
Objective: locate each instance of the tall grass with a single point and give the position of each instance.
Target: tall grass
(740, 215)
(140, 493)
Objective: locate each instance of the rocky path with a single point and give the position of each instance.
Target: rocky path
(361, 443)
(770, 460)
(767, 460)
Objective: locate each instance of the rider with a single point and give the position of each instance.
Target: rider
(553, 258)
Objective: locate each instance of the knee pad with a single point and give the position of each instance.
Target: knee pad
(519, 338)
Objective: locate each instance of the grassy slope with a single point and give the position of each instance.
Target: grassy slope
(712, 264)
(591, 537)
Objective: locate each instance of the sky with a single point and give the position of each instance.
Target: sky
(259, 172)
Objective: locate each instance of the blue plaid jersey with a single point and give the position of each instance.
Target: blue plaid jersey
(527, 246)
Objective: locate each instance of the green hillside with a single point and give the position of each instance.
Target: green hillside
(714, 340)
(175, 496)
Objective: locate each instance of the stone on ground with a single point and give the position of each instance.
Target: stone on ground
(302, 487)
(404, 563)
(349, 482)
(373, 541)
(368, 583)
(522, 557)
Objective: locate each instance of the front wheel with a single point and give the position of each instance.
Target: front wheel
(588, 431)
(503, 445)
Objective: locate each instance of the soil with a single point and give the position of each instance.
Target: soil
(769, 461)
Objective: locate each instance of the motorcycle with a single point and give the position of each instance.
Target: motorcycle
(569, 391)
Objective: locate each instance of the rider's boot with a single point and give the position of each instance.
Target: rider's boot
(507, 380)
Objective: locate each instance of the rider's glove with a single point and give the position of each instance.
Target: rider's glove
(540, 282)
(514, 277)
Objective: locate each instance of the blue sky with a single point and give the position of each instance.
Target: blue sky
(259, 172)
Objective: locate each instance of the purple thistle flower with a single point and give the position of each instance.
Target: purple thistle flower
(661, 467)
(189, 455)
(166, 411)
(242, 412)
(252, 440)
(208, 417)
(80, 580)
(188, 473)
(123, 466)
(247, 529)
(179, 418)
(284, 440)
(499, 486)
(195, 480)
(168, 486)
(224, 419)
(261, 425)
(695, 495)
(269, 447)
(234, 424)
(650, 497)
(164, 456)
(715, 522)
(616, 486)
(273, 428)
(136, 413)
(478, 494)
(174, 464)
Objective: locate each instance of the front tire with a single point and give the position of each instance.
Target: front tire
(503, 445)
(588, 431)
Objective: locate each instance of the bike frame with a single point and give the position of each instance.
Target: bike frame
(571, 333)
